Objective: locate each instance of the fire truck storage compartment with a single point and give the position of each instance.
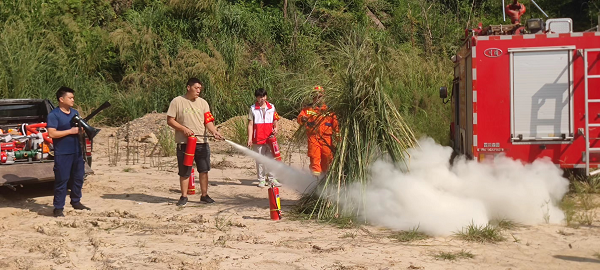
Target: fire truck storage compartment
(541, 93)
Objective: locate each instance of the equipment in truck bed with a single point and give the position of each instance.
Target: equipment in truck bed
(25, 148)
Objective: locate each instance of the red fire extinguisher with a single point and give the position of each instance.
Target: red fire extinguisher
(190, 150)
(192, 184)
(274, 203)
(272, 141)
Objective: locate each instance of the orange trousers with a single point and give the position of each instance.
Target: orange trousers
(319, 153)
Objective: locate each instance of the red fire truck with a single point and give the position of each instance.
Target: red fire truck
(528, 91)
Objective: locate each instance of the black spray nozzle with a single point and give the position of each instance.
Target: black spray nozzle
(90, 131)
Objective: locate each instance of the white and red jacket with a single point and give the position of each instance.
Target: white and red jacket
(263, 122)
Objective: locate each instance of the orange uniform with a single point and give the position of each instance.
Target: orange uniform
(320, 127)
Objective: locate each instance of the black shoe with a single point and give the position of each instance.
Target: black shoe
(58, 212)
(206, 199)
(182, 201)
(80, 206)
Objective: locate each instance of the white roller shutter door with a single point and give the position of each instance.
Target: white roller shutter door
(541, 94)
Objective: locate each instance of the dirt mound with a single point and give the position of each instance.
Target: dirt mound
(233, 127)
(287, 128)
(142, 127)
(237, 127)
(147, 127)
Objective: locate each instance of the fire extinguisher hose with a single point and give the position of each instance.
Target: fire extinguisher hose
(205, 136)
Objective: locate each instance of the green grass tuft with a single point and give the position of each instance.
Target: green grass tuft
(409, 236)
(240, 131)
(166, 141)
(480, 233)
(452, 256)
(505, 224)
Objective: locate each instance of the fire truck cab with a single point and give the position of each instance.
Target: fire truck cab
(528, 91)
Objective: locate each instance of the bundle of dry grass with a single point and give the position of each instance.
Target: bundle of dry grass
(371, 127)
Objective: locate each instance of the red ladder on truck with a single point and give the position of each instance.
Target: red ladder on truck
(589, 150)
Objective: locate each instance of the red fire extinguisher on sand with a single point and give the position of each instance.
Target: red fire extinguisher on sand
(272, 142)
(190, 150)
(192, 184)
(274, 203)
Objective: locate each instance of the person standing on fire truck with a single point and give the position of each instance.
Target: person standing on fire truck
(190, 115)
(321, 126)
(69, 165)
(515, 11)
(262, 123)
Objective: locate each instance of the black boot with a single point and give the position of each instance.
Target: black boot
(58, 213)
(80, 206)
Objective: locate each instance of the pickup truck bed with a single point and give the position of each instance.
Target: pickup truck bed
(25, 173)
(17, 111)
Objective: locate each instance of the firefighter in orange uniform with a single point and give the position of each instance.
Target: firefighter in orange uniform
(321, 127)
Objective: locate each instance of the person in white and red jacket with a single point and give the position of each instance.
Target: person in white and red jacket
(262, 123)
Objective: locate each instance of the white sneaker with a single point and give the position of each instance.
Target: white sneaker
(275, 183)
(262, 183)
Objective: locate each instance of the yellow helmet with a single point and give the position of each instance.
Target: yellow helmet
(318, 91)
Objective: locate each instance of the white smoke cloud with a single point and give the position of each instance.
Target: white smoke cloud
(290, 177)
(441, 199)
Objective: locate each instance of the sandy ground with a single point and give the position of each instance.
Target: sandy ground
(134, 224)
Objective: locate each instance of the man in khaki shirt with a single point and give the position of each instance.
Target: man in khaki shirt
(190, 115)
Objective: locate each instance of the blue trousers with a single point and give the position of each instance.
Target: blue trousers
(68, 174)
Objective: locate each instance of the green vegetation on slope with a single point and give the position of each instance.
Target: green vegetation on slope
(139, 53)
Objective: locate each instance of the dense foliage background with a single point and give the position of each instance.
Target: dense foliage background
(139, 53)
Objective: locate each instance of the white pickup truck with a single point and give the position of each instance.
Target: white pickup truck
(26, 153)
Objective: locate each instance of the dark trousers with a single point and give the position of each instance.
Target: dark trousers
(68, 174)
(201, 157)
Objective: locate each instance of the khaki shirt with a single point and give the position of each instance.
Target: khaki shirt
(191, 115)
